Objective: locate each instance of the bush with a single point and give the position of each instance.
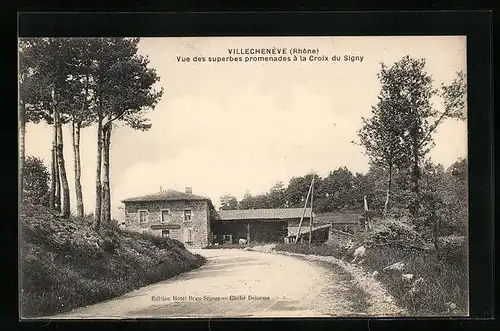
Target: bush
(35, 181)
(389, 231)
(111, 240)
(444, 279)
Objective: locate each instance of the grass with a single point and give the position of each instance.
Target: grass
(62, 268)
(234, 246)
(444, 275)
(306, 249)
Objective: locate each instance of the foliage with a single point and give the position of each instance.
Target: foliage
(393, 232)
(455, 97)
(35, 181)
(228, 202)
(59, 274)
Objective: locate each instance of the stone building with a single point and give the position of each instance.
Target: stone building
(178, 215)
(193, 220)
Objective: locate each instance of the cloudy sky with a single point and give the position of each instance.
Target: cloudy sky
(230, 127)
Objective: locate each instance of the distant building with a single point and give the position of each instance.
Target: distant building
(193, 220)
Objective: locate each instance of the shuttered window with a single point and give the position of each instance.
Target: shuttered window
(143, 216)
(165, 215)
(187, 214)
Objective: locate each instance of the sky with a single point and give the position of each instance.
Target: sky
(231, 127)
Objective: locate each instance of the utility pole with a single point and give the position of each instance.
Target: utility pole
(311, 218)
(304, 212)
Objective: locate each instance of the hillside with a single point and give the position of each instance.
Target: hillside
(65, 264)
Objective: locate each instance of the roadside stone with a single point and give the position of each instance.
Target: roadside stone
(399, 266)
(407, 277)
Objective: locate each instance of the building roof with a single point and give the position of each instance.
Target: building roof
(337, 217)
(168, 195)
(267, 214)
(292, 232)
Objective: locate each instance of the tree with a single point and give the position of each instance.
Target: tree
(228, 202)
(33, 105)
(433, 193)
(259, 201)
(380, 136)
(36, 182)
(336, 191)
(409, 88)
(44, 63)
(456, 198)
(455, 97)
(77, 103)
(123, 92)
(297, 189)
(276, 196)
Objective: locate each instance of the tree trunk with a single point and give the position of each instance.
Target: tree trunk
(65, 206)
(415, 205)
(22, 139)
(78, 172)
(106, 194)
(386, 204)
(52, 197)
(98, 186)
(55, 168)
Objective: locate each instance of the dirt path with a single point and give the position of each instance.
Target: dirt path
(237, 283)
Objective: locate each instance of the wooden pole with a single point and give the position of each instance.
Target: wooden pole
(311, 217)
(304, 212)
(248, 226)
(367, 218)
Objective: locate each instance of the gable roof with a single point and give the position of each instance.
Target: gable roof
(269, 214)
(337, 217)
(168, 195)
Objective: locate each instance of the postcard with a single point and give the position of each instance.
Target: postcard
(206, 177)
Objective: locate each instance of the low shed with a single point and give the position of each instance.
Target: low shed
(256, 225)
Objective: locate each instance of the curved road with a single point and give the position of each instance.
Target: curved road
(237, 283)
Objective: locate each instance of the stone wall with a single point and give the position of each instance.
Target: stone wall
(199, 223)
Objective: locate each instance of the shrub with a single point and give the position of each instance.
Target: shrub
(35, 181)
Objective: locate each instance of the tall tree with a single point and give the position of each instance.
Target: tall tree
(408, 87)
(380, 136)
(77, 103)
(124, 92)
(65, 204)
(33, 105)
(44, 64)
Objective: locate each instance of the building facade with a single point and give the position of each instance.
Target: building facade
(193, 220)
(178, 215)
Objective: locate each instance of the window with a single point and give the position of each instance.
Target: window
(165, 233)
(187, 214)
(188, 235)
(165, 215)
(143, 216)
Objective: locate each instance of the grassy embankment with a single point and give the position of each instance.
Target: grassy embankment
(65, 264)
(443, 289)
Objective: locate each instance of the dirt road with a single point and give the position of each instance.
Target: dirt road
(237, 283)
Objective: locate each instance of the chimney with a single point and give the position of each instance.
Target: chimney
(161, 189)
(189, 190)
